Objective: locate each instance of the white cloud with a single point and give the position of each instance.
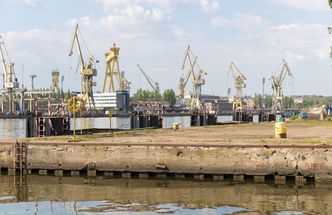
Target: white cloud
(218, 21)
(294, 57)
(31, 3)
(179, 32)
(241, 21)
(322, 53)
(209, 5)
(305, 4)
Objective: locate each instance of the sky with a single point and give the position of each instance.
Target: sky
(256, 35)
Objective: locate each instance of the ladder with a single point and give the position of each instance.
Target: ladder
(20, 153)
(20, 161)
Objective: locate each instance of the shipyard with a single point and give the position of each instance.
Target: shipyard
(159, 107)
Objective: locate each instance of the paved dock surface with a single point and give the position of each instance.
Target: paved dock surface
(259, 134)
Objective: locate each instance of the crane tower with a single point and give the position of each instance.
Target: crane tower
(55, 81)
(11, 85)
(88, 71)
(239, 84)
(238, 79)
(276, 86)
(113, 70)
(197, 77)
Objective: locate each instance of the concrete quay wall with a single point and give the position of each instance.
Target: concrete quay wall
(288, 160)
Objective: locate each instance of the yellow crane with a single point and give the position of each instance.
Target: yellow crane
(277, 81)
(239, 84)
(88, 71)
(197, 78)
(113, 70)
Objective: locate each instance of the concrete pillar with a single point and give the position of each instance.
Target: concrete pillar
(126, 174)
(92, 173)
(75, 173)
(162, 175)
(108, 173)
(11, 172)
(29, 172)
(58, 172)
(280, 179)
(239, 178)
(43, 172)
(218, 177)
(259, 178)
(199, 177)
(180, 176)
(143, 175)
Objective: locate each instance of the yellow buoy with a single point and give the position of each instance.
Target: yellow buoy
(280, 130)
(176, 126)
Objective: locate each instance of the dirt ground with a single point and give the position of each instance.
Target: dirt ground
(312, 132)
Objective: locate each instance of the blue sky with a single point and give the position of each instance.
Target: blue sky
(254, 34)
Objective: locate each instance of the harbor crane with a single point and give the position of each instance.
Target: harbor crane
(154, 85)
(239, 84)
(113, 71)
(88, 70)
(276, 86)
(11, 85)
(197, 78)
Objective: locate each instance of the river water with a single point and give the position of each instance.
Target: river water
(102, 195)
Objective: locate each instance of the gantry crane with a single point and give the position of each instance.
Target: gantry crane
(113, 70)
(88, 70)
(197, 78)
(276, 85)
(11, 84)
(154, 85)
(238, 78)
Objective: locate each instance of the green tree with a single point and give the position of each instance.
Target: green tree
(257, 100)
(147, 95)
(288, 102)
(67, 95)
(138, 94)
(268, 101)
(170, 96)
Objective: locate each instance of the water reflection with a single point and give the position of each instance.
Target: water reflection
(79, 195)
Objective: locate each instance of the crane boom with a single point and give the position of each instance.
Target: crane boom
(153, 84)
(234, 73)
(285, 70)
(75, 39)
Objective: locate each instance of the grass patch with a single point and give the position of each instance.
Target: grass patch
(312, 122)
(91, 136)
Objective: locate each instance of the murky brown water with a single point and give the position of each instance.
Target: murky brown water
(79, 195)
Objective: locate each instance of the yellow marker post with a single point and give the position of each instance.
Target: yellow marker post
(74, 105)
